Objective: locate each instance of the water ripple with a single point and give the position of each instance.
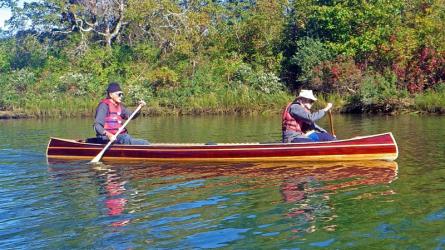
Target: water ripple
(75, 205)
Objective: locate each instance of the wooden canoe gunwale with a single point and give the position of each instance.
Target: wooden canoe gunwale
(373, 147)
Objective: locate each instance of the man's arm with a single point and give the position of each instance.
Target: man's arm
(99, 120)
(127, 113)
(297, 111)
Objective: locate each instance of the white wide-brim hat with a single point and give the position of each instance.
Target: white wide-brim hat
(308, 94)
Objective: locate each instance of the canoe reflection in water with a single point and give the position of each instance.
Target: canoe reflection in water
(309, 189)
(301, 190)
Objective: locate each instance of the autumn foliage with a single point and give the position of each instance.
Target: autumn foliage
(210, 54)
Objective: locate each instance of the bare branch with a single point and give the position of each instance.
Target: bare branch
(105, 18)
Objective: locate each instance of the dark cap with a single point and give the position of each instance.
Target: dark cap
(113, 87)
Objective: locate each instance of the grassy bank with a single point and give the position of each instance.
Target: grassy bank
(241, 101)
(431, 102)
(234, 102)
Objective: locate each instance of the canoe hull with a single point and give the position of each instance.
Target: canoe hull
(375, 147)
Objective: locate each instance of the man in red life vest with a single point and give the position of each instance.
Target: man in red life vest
(111, 115)
(298, 123)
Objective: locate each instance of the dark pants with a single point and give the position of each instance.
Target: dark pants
(316, 136)
(121, 139)
(127, 139)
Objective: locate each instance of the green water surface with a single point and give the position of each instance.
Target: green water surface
(378, 205)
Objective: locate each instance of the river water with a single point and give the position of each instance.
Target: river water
(72, 205)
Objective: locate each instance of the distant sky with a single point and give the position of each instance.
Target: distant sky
(5, 14)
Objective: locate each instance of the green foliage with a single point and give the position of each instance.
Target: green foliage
(432, 100)
(197, 56)
(28, 52)
(99, 62)
(21, 81)
(354, 28)
(76, 84)
(265, 82)
(16, 87)
(163, 77)
(379, 93)
(141, 91)
(378, 89)
(337, 99)
(5, 56)
(146, 52)
(310, 53)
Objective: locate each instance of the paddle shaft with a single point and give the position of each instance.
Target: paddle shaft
(331, 123)
(102, 152)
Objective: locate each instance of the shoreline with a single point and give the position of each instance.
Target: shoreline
(9, 115)
(20, 114)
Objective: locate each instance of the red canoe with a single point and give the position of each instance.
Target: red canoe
(373, 147)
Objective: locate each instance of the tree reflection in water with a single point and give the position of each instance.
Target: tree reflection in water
(309, 189)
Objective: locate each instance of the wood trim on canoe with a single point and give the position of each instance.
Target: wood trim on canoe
(373, 147)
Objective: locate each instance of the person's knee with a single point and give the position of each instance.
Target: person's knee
(295, 140)
(123, 139)
(326, 137)
(134, 141)
(140, 142)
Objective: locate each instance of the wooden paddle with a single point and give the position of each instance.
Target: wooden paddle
(101, 153)
(331, 123)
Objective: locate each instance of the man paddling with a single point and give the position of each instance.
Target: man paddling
(298, 123)
(110, 116)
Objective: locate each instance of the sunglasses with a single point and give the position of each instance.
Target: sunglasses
(120, 94)
(307, 100)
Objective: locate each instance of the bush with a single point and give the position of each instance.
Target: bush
(265, 82)
(310, 53)
(341, 75)
(5, 56)
(22, 80)
(432, 100)
(146, 52)
(377, 89)
(101, 63)
(15, 87)
(425, 70)
(139, 91)
(29, 52)
(378, 93)
(77, 84)
(163, 77)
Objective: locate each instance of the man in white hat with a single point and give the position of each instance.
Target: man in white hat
(298, 123)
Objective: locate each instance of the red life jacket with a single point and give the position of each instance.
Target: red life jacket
(113, 120)
(288, 123)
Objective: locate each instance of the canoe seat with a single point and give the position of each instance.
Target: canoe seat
(96, 140)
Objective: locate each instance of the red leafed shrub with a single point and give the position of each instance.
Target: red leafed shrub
(339, 75)
(423, 71)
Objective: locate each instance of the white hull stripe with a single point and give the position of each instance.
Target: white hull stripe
(227, 149)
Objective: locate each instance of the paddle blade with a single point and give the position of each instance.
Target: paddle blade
(101, 153)
(97, 158)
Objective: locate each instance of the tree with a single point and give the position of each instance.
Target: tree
(103, 18)
(170, 25)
